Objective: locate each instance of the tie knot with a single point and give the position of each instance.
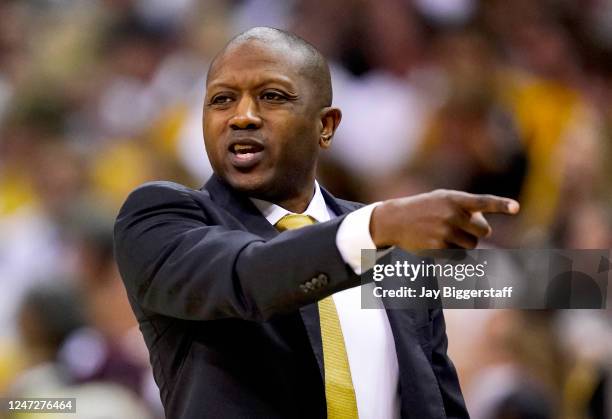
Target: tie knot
(293, 221)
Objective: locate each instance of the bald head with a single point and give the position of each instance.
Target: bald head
(312, 65)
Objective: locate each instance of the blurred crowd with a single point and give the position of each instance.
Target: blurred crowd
(505, 97)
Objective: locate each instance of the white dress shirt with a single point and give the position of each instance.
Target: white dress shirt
(367, 334)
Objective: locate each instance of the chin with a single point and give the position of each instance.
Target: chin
(252, 184)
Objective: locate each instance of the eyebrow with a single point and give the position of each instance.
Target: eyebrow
(269, 80)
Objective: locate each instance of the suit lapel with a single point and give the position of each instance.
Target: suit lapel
(419, 386)
(240, 207)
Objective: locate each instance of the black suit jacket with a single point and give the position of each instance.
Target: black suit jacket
(227, 308)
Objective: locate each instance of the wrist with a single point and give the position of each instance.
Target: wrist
(379, 226)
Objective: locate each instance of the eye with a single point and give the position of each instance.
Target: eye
(273, 96)
(221, 99)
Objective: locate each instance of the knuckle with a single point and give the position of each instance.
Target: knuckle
(441, 193)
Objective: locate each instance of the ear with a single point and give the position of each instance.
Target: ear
(330, 119)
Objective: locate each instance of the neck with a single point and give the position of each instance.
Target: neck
(295, 200)
(299, 201)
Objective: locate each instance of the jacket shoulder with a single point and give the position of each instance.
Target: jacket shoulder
(159, 192)
(161, 187)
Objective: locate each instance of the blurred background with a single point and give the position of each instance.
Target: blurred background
(494, 96)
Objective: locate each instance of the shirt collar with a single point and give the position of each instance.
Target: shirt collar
(317, 208)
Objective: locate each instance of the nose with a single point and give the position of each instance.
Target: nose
(247, 115)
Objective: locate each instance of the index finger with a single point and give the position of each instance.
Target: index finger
(486, 203)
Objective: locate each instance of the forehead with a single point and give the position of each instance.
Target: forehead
(256, 61)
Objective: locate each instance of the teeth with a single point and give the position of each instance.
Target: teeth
(245, 148)
(242, 148)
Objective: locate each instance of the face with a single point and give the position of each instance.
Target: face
(263, 126)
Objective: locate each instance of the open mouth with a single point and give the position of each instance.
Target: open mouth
(245, 154)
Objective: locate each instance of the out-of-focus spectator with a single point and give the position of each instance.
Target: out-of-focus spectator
(527, 364)
(65, 358)
(48, 315)
(472, 141)
(39, 176)
(122, 357)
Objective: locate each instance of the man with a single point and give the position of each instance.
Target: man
(237, 315)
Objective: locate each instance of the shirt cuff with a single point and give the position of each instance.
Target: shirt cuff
(354, 235)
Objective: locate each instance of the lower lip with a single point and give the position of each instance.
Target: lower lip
(246, 160)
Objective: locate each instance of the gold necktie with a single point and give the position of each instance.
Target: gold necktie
(339, 391)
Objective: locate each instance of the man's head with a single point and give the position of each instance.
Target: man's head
(267, 112)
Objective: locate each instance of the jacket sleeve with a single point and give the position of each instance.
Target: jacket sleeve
(176, 262)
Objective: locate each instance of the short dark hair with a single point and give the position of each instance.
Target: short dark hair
(315, 65)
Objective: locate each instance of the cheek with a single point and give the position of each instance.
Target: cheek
(300, 146)
(212, 129)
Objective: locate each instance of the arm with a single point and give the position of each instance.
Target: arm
(175, 261)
